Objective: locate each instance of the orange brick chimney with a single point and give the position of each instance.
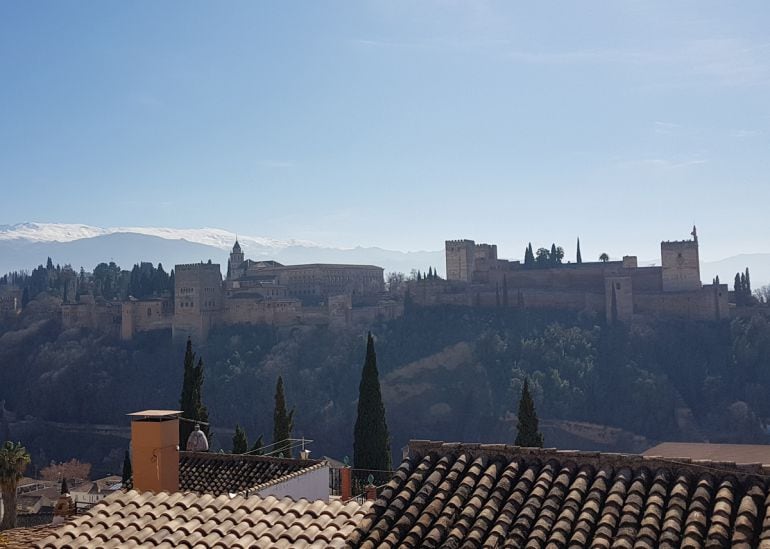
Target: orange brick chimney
(155, 448)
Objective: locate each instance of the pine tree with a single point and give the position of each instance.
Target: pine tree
(371, 443)
(283, 422)
(192, 396)
(579, 258)
(240, 443)
(528, 433)
(127, 470)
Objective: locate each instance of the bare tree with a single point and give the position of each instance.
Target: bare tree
(763, 294)
(394, 282)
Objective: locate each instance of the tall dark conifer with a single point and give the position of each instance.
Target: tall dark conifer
(529, 256)
(528, 427)
(191, 401)
(127, 470)
(240, 443)
(371, 443)
(579, 257)
(748, 283)
(283, 422)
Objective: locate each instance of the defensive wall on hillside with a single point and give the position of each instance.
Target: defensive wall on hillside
(619, 289)
(266, 292)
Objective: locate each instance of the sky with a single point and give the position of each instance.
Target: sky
(392, 123)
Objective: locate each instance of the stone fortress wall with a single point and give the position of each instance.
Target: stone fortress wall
(266, 292)
(620, 290)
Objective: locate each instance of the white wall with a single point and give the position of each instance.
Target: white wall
(312, 486)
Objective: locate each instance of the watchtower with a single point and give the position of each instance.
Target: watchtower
(460, 259)
(198, 299)
(680, 264)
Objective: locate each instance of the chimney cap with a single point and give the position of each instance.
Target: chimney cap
(156, 414)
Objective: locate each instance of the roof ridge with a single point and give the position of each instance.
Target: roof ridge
(596, 458)
(284, 478)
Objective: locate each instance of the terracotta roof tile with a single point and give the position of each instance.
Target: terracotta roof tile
(218, 474)
(479, 496)
(168, 520)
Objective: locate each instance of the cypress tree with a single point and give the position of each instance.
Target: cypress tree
(371, 443)
(579, 258)
(25, 298)
(554, 256)
(528, 433)
(283, 422)
(191, 400)
(240, 443)
(430, 273)
(748, 283)
(529, 256)
(127, 470)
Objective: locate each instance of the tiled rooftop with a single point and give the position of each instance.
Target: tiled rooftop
(167, 520)
(233, 473)
(24, 538)
(454, 495)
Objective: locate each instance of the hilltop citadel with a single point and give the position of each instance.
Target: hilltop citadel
(267, 292)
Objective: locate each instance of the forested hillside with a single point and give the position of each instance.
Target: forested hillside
(449, 373)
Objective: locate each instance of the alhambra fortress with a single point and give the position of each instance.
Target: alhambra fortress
(267, 292)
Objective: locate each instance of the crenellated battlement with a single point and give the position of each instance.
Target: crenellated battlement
(196, 266)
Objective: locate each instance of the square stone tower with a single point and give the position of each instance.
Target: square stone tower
(198, 299)
(460, 259)
(680, 265)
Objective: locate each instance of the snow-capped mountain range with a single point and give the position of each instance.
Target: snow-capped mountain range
(67, 232)
(26, 245)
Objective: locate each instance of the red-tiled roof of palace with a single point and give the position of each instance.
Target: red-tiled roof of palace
(738, 453)
(133, 519)
(237, 473)
(477, 495)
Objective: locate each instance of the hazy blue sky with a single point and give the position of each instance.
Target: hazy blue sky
(397, 124)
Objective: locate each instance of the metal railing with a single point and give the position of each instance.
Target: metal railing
(359, 480)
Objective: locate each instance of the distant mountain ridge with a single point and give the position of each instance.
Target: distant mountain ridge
(26, 245)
